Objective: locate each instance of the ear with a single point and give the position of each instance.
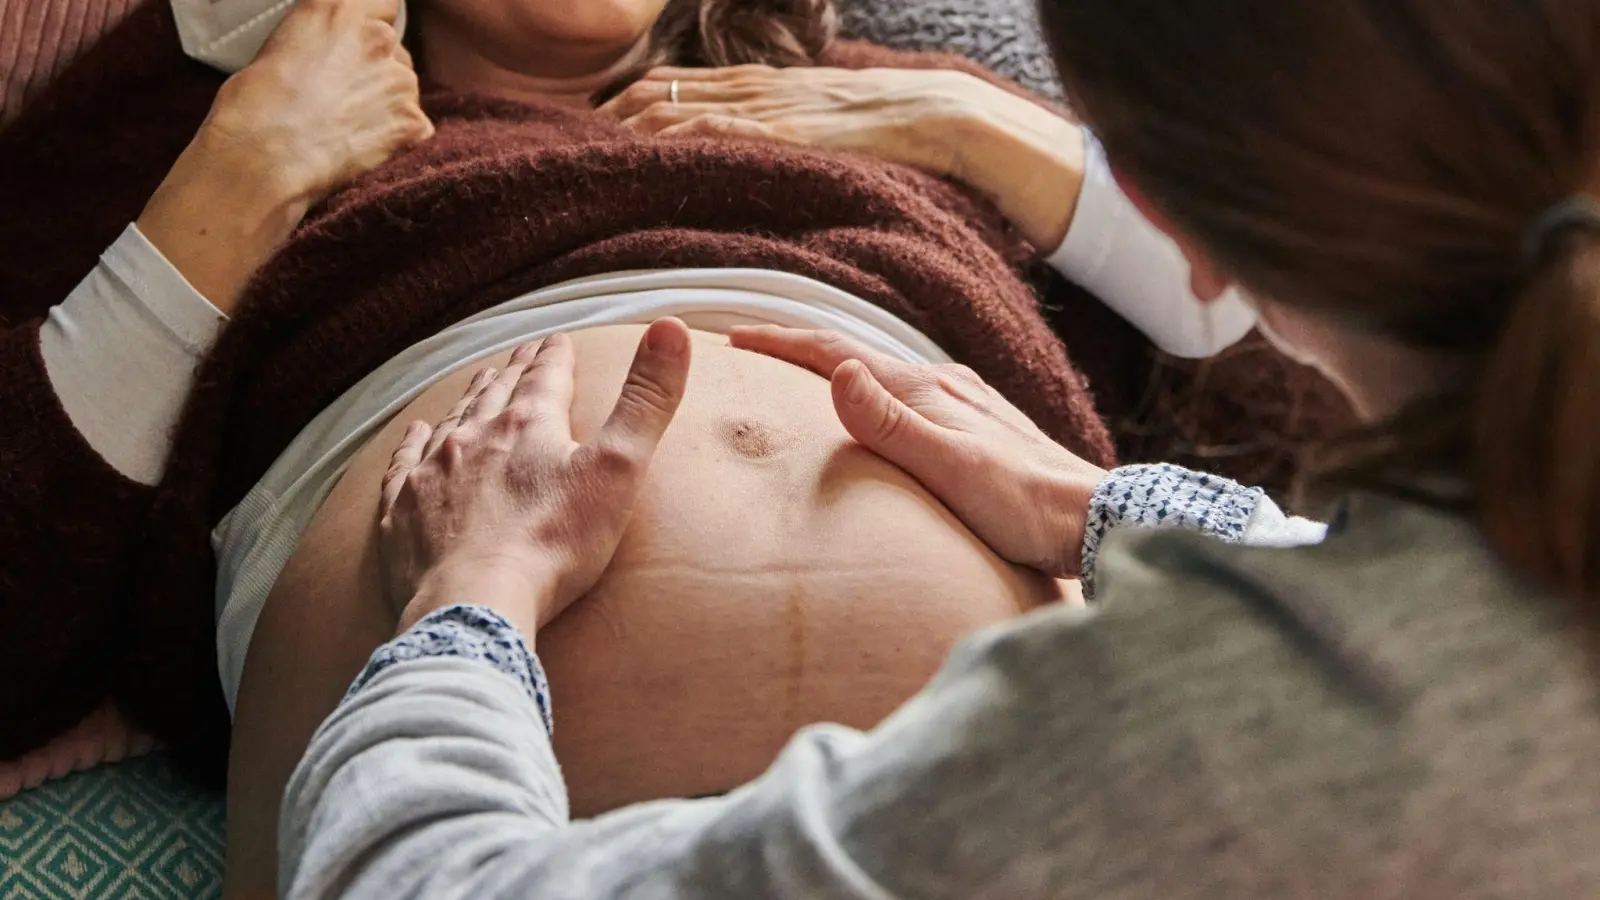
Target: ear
(1206, 279)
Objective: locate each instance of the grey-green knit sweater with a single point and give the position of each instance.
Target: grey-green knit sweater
(1386, 715)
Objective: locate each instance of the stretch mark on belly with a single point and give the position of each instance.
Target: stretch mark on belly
(795, 683)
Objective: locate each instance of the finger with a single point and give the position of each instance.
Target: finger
(492, 400)
(448, 424)
(820, 351)
(544, 394)
(715, 125)
(640, 96)
(406, 458)
(708, 86)
(709, 76)
(650, 397)
(884, 424)
(658, 116)
(496, 395)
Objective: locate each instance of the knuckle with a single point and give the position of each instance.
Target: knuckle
(613, 459)
(414, 127)
(892, 424)
(961, 373)
(235, 85)
(962, 383)
(639, 93)
(658, 114)
(456, 445)
(379, 38)
(646, 390)
(831, 342)
(520, 418)
(707, 124)
(407, 82)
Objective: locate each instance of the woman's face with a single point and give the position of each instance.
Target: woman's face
(528, 33)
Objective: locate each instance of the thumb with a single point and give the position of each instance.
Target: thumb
(883, 423)
(650, 397)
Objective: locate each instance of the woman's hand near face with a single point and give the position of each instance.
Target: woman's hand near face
(331, 96)
(498, 506)
(1021, 493)
(1028, 159)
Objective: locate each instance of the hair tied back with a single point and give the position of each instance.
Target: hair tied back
(1579, 211)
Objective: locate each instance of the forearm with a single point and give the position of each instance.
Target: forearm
(219, 216)
(515, 590)
(436, 778)
(1026, 158)
(121, 353)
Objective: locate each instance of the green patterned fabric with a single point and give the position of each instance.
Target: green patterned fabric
(129, 830)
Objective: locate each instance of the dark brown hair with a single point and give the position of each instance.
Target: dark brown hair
(1379, 162)
(715, 33)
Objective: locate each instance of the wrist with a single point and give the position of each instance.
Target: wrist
(1029, 160)
(523, 591)
(219, 215)
(1068, 494)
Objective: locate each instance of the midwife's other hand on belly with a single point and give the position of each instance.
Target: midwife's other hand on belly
(775, 574)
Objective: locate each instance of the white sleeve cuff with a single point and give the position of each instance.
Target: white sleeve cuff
(1270, 527)
(1119, 256)
(121, 351)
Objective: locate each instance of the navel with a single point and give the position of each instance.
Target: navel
(753, 438)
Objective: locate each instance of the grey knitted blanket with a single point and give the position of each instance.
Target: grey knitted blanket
(1002, 35)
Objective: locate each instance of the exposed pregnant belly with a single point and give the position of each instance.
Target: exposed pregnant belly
(775, 574)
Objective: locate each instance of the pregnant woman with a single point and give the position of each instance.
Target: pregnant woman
(232, 372)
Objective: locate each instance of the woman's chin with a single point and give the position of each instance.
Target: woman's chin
(583, 27)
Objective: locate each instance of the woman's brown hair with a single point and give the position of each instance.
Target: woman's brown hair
(716, 33)
(1380, 162)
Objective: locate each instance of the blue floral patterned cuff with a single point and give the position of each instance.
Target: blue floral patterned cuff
(1164, 496)
(466, 632)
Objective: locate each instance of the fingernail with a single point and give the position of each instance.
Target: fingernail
(413, 428)
(668, 342)
(860, 387)
(484, 377)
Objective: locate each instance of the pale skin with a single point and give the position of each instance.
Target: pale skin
(498, 503)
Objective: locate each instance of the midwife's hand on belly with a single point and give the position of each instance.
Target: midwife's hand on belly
(1023, 494)
(498, 506)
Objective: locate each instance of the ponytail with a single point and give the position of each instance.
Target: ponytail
(1536, 433)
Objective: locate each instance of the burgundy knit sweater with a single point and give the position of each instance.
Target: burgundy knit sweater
(106, 587)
